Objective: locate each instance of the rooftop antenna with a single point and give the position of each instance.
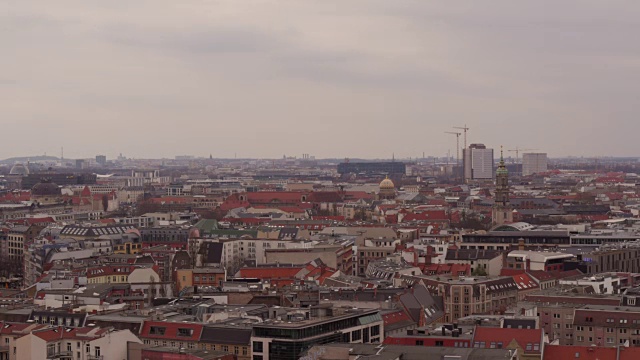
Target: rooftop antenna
(62, 153)
(465, 129)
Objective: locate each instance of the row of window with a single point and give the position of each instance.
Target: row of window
(238, 350)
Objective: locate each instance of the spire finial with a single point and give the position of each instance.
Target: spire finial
(501, 153)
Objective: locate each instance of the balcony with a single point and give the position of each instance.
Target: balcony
(60, 354)
(95, 357)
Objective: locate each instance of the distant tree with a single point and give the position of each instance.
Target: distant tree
(152, 289)
(105, 202)
(194, 249)
(471, 221)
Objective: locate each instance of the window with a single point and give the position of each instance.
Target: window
(609, 340)
(69, 347)
(579, 328)
(579, 338)
(185, 332)
(439, 343)
(356, 335)
(157, 330)
(631, 301)
(556, 316)
(375, 330)
(257, 346)
(529, 347)
(96, 351)
(88, 348)
(419, 342)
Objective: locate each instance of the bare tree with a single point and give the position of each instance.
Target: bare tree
(194, 249)
(152, 289)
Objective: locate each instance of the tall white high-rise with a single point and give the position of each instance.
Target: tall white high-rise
(478, 162)
(534, 163)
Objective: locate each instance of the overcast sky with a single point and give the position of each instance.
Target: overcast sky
(332, 78)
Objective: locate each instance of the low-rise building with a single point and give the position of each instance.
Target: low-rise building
(201, 277)
(287, 334)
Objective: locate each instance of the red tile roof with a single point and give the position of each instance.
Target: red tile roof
(526, 338)
(558, 352)
(31, 221)
(525, 282)
(426, 216)
(171, 330)
(324, 197)
(60, 332)
(11, 328)
(395, 317)
(358, 195)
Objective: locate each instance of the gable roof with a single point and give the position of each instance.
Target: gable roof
(526, 338)
(171, 330)
(558, 352)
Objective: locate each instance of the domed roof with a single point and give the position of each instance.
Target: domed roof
(387, 184)
(19, 169)
(46, 188)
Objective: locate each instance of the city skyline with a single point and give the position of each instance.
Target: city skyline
(335, 79)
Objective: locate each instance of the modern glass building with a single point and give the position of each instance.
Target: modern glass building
(288, 338)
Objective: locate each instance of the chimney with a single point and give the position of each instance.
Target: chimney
(521, 244)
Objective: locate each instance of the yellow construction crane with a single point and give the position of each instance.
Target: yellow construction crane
(465, 129)
(457, 134)
(517, 151)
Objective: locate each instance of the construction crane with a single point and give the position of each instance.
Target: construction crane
(517, 151)
(457, 134)
(465, 129)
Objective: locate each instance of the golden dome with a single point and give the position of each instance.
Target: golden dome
(387, 184)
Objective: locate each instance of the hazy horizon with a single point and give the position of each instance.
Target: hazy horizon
(333, 79)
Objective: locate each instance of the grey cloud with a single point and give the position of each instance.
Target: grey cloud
(384, 72)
